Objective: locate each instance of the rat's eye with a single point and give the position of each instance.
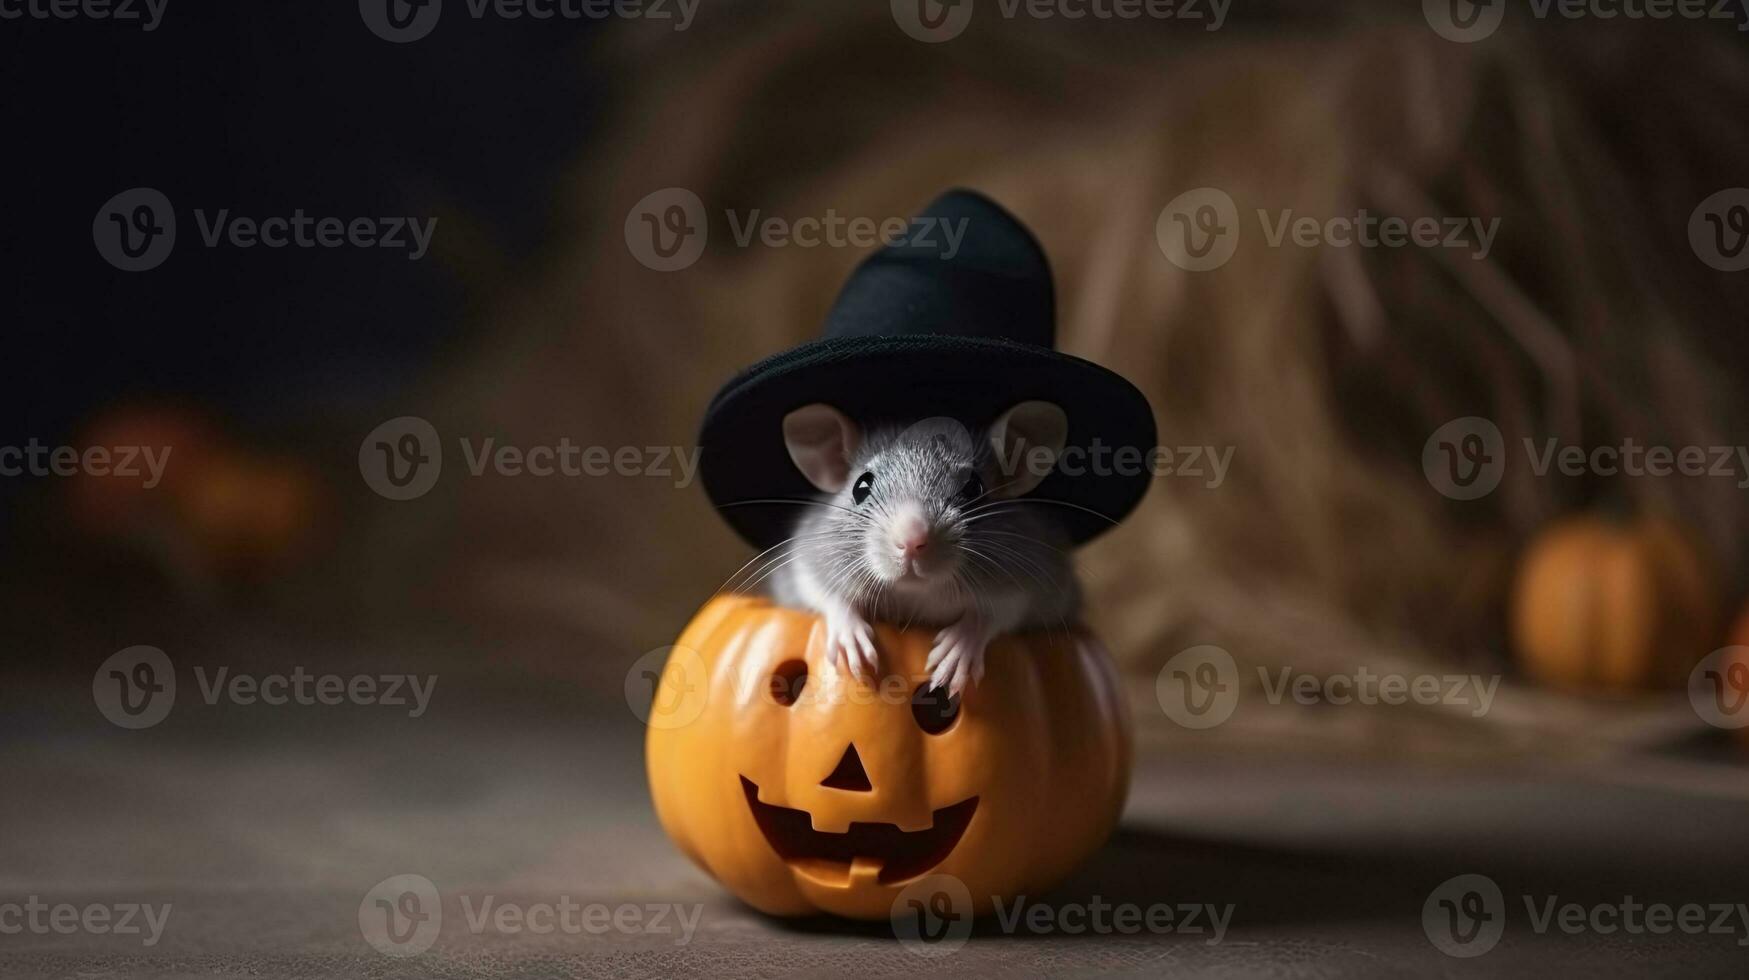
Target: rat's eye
(973, 489)
(864, 486)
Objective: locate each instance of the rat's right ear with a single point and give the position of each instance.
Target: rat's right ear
(820, 440)
(1027, 439)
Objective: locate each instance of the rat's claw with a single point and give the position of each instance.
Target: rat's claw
(850, 646)
(958, 656)
(834, 660)
(868, 661)
(955, 675)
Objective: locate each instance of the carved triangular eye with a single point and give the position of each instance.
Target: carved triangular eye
(849, 775)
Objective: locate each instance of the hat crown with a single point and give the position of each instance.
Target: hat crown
(965, 268)
(957, 320)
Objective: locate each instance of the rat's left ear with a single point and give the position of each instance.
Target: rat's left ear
(821, 440)
(1027, 440)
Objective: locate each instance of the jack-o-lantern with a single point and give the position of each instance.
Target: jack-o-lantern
(803, 790)
(1611, 606)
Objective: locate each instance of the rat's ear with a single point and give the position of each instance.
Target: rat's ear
(821, 440)
(1027, 439)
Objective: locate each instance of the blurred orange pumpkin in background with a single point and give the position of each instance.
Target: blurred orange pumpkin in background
(118, 503)
(1610, 606)
(247, 511)
(212, 508)
(803, 793)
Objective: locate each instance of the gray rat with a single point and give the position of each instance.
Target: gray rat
(926, 524)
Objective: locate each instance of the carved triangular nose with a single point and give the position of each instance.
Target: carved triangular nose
(849, 774)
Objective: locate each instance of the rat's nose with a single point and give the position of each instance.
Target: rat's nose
(911, 536)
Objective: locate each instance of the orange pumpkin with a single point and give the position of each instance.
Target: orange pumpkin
(1614, 607)
(248, 512)
(805, 791)
(116, 505)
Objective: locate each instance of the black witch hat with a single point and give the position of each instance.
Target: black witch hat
(956, 320)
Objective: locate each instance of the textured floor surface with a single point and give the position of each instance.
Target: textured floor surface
(265, 830)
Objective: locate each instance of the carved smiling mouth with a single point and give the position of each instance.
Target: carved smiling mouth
(879, 849)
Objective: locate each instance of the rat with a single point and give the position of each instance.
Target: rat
(925, 524)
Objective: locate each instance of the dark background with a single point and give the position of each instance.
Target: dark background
(265, 108)
(529, 140)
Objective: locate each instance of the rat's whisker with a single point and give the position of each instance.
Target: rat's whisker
(1046, 581)
(984, 533)
(990, 491)
(840, 572)
(799, 543)
(770, 569)
(1017, 583)
(791, 501)
(1018, 501)
(730, 581)
(983, 569)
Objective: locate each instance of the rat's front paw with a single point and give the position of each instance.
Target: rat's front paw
(958, 656)
(850, 645)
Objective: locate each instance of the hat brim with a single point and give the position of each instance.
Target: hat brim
(748, 475)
